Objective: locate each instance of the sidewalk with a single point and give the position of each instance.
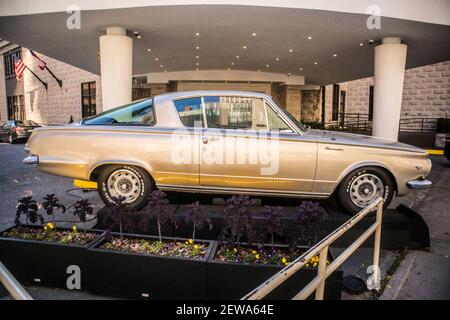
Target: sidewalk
(426, 275)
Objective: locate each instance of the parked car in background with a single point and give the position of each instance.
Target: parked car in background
(13, 130)
(447, 147)
(131, 150)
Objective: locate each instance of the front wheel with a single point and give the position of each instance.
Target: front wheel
(363, 186)
(130, 182)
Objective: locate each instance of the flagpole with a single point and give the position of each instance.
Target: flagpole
(57, 80)
(34, 74)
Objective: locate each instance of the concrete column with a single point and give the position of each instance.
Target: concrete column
(390, 60)
(116, 65)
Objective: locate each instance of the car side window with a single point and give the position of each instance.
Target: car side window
(227, 112)
(190, 111)
(275, 122)
(137, 113)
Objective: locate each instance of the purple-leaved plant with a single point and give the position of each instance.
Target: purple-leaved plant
(119, 214)
(196, 214)
(29, 208)
(82, 208)
(272, 221)
(51, 204)
(309, 215)
(239, 221)
(158, 207)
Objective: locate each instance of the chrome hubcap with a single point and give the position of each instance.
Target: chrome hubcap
(124, 183)
(365, 189)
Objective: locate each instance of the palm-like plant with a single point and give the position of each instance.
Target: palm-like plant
(82, 208)
(29, 208)
(118, 212)
(309, 215)
(50, 204)
(196, 214)
(272, 221)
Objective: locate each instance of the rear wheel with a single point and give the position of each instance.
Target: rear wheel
(130, 182)
(363, 186)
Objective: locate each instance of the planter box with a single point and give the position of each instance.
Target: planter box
(137, 276)
(235, 280)
(32, 261)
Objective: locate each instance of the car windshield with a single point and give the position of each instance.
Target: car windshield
(137, 113)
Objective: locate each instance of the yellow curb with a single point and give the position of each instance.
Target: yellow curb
(85, 184)
(435, 152)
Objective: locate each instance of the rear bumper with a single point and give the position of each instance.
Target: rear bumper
(419, 184)
(31, 160)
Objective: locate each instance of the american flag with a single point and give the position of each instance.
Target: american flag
(41, 63)
(19, 68)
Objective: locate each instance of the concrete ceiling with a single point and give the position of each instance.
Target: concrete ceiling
(170, 33)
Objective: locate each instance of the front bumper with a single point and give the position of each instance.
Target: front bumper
(31, 160)
(419, 184)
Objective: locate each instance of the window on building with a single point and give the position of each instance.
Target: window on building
(9, 62)
(370, 103)
(335, 110)
(235, 113)
(190, 111)
(138, 113)
(88, 99)
(16, 108)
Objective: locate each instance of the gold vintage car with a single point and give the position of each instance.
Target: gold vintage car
(224, 142)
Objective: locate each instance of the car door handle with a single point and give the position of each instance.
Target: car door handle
(334, 149)
(206, 139)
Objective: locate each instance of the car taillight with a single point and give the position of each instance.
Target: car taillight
(19, 130)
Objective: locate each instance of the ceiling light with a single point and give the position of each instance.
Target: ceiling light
(277, 59)
(237, 57)
(135, 33)
(197, 34)
(165, 70)
(291, 50)
(335, 55)
(289, 73)
(361, 44)
(244, 47)
(156, 59)
(197, 48)
(232, 63)
(197, 63)
(228, 69)
(309, 38)
(301, 69)
(259, 70)
(149, 50)
(267, 65)
(316, 63)
(139, 36)
(253, 34)
(161, 66)
(196, 57)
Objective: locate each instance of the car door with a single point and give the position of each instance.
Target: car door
(247, 146)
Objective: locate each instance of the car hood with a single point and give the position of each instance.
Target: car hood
(361, 140)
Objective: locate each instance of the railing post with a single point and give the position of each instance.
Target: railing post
(321, 271)
(377, 244)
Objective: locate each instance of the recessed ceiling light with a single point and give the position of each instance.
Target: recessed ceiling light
(361, 44)
(232, 63)
(335, 55)
(253, 34)
(267, 65)
(149, 50)
(135, 32)
(301, 69)
(291, 50)
(316, 63)
(197, 57)
(165, 70)
(244, 47)
(277, 59)
(228, 69)
(156, 59)
(161, 66)
(259, 70)
(197, 48)
(139, 36)
(237, 57)
(197, 34)
(309, 38)
(196, 69)
(197, 63)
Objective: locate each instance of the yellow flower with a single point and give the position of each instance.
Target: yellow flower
(257, 256)
(74, 229)
(235, 250)
(196, 247)
(284, 260)
(254, 252)
(315, 264)
(191, 241)
(286, 264)
(50, 225)
(45, 228)
(187, 242)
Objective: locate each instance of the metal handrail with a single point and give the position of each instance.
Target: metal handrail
(13, 286)
(321, 248)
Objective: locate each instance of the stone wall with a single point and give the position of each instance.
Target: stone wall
(311, 106)
(56, 105)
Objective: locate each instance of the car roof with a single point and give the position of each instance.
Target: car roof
(186, 94)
